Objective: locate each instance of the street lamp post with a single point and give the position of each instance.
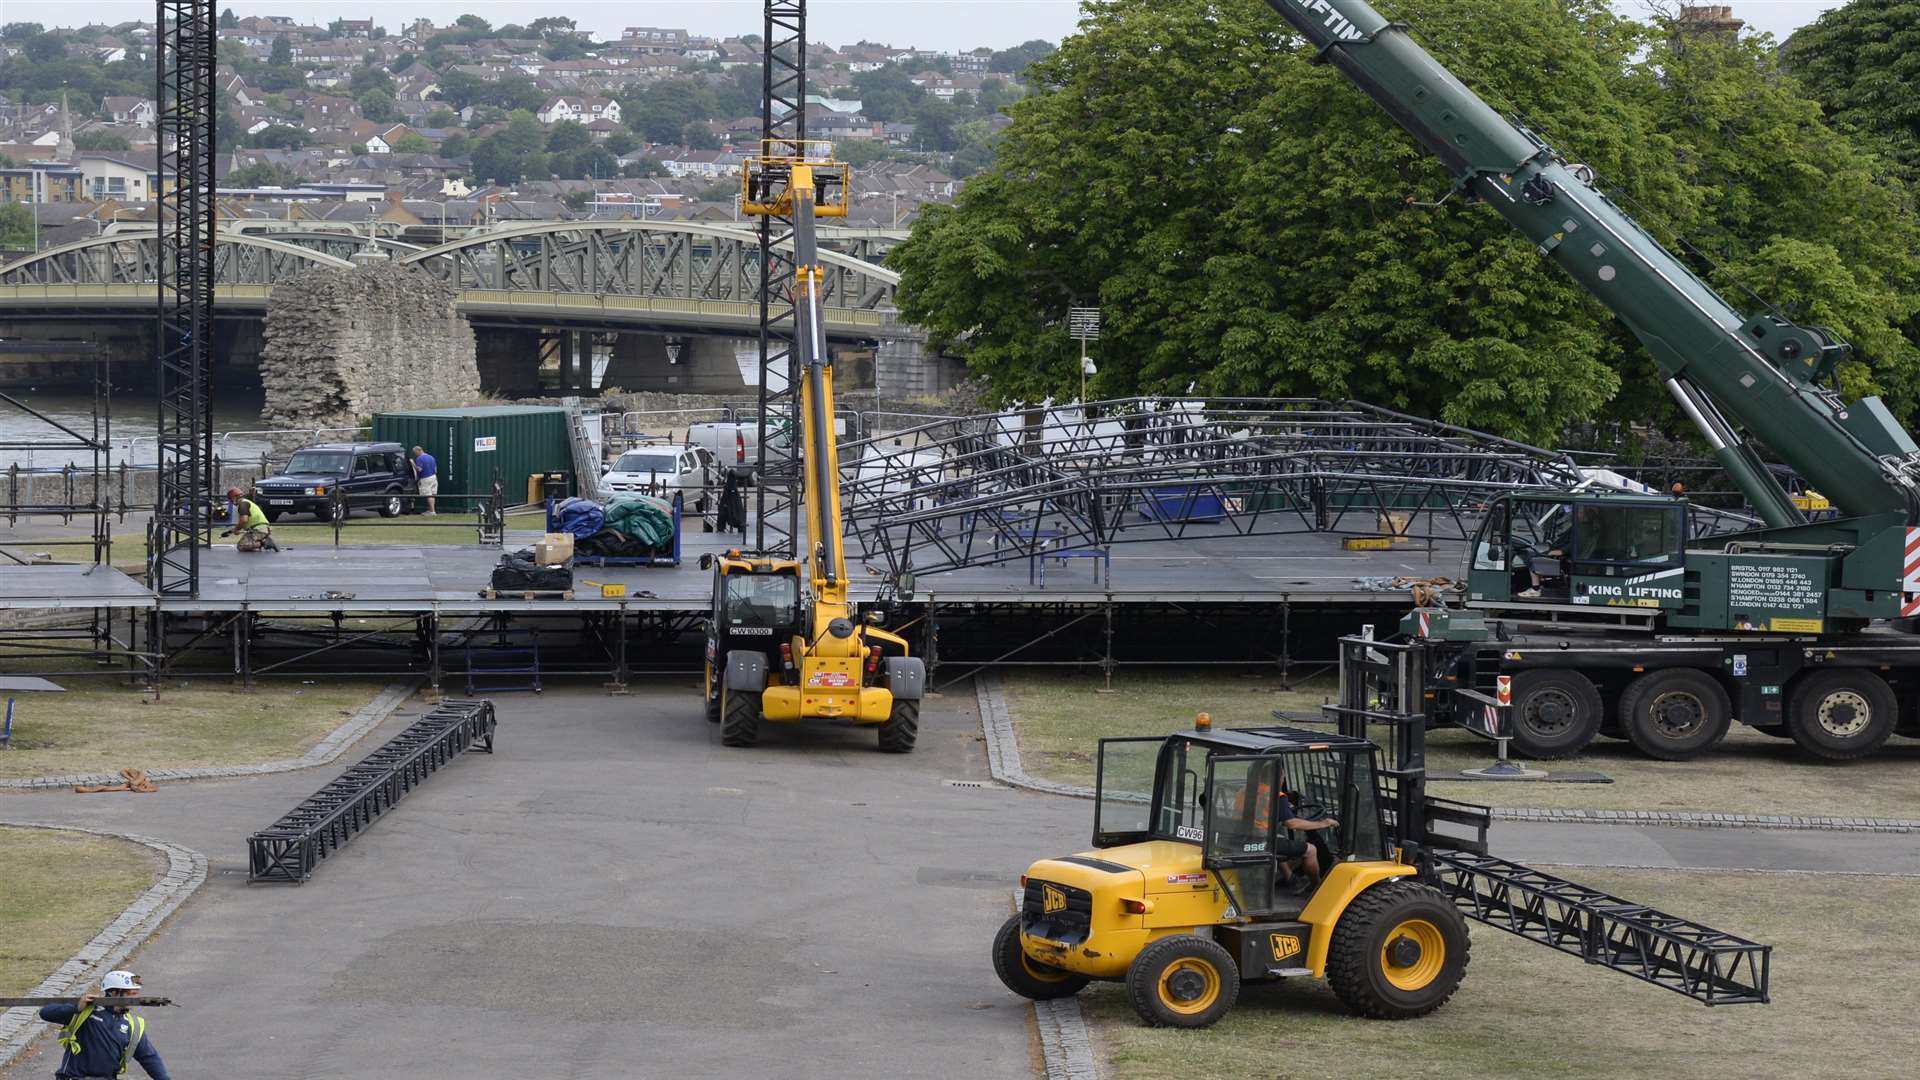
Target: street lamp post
(1084, 324)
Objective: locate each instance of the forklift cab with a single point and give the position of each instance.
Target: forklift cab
(1603, 550)
(1218, 790)
(757, 606)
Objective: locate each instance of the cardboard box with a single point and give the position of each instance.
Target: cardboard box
(555, 549)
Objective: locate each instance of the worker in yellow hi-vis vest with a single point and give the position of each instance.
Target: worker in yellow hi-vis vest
(250, 522)
(97, 1040)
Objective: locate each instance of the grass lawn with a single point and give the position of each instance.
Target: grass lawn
(1059, 716)
(57, 889)
(1842, 1003)
(100, 726)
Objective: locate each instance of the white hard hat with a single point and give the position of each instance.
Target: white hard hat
(120, 980)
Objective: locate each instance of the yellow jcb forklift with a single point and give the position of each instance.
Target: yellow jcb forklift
(776, 652)
(1200, 878)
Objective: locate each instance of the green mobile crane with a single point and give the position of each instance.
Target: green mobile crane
(1609, 613)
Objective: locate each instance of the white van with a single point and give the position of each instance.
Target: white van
(663, 470)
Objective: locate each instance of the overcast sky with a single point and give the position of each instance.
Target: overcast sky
(942, 24)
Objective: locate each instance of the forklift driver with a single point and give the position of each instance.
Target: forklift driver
(1292, 851)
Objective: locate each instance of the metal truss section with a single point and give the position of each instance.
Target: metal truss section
(978, 490)
(1700, 962)
(185, 44)
(783, 118)
(290, 849)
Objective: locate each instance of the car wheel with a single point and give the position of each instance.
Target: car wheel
(391, 507)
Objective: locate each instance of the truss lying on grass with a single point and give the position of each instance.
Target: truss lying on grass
(975, 490)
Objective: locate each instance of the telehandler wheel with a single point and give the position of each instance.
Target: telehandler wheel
(1398, 951)
(1676, 714)
(739, 718)
(1840, 714)
(901, 728)
(1026, 976)
(712, 695)
(1182, 981)
(1555, 713)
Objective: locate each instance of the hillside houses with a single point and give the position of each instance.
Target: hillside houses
(363, 113)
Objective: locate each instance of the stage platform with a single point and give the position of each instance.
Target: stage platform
(70, 586)
(449, 578)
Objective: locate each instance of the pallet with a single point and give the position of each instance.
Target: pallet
(526, 594)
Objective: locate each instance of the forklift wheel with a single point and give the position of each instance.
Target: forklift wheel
(1399, 951)
(1182, 981)
(901, 728)
(739, 718)
(712, 697)
(1028, 977)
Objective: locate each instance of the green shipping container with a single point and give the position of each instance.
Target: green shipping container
(474, 446)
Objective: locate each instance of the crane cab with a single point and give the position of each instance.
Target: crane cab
(1589, 550)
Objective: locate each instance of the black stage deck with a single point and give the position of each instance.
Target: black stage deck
(1308, 568)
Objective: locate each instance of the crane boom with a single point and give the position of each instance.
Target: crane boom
(1767, 374)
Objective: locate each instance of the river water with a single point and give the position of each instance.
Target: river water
(134, 420)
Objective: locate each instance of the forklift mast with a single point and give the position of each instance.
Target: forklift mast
(1768, 374)
(1382, 684)
(797, 179)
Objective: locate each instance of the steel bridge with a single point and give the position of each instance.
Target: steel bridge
(602, 274)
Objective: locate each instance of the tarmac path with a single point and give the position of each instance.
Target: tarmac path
(615, 894)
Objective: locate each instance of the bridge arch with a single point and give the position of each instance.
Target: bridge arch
(133, 258)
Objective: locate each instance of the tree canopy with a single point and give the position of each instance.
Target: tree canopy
(1243, 217)
(1862, 61)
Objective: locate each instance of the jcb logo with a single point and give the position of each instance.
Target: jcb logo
(1284, 946)
(1052, 900)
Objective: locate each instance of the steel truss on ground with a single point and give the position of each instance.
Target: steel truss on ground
(290, 849)
(978, 490)
(783, 119)
(185, 43)
(1683, 956)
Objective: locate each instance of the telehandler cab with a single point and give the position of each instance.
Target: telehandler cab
(1189, 891)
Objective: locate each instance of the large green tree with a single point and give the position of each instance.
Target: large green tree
(1243, 215)
(1862, 61)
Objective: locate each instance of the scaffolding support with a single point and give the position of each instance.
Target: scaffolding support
(186, 41)
(783, 118)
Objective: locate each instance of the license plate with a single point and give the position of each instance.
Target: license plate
(279, 502)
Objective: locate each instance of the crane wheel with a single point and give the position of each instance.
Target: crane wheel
(1840, 714)
(739, 718)
(1676, 714)
(1182, 981)
(1026, 976)
(712, 695)
(1398, 951)
(901, 728)
(1555, 713)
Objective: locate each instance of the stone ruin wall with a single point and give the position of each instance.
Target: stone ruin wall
(342, 345)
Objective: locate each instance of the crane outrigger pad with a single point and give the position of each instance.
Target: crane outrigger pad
(1700, 962)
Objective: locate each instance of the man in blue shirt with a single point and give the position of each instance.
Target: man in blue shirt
(99, 1042)
(426, 472)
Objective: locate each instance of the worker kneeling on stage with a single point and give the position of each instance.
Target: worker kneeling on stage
(250, 522)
